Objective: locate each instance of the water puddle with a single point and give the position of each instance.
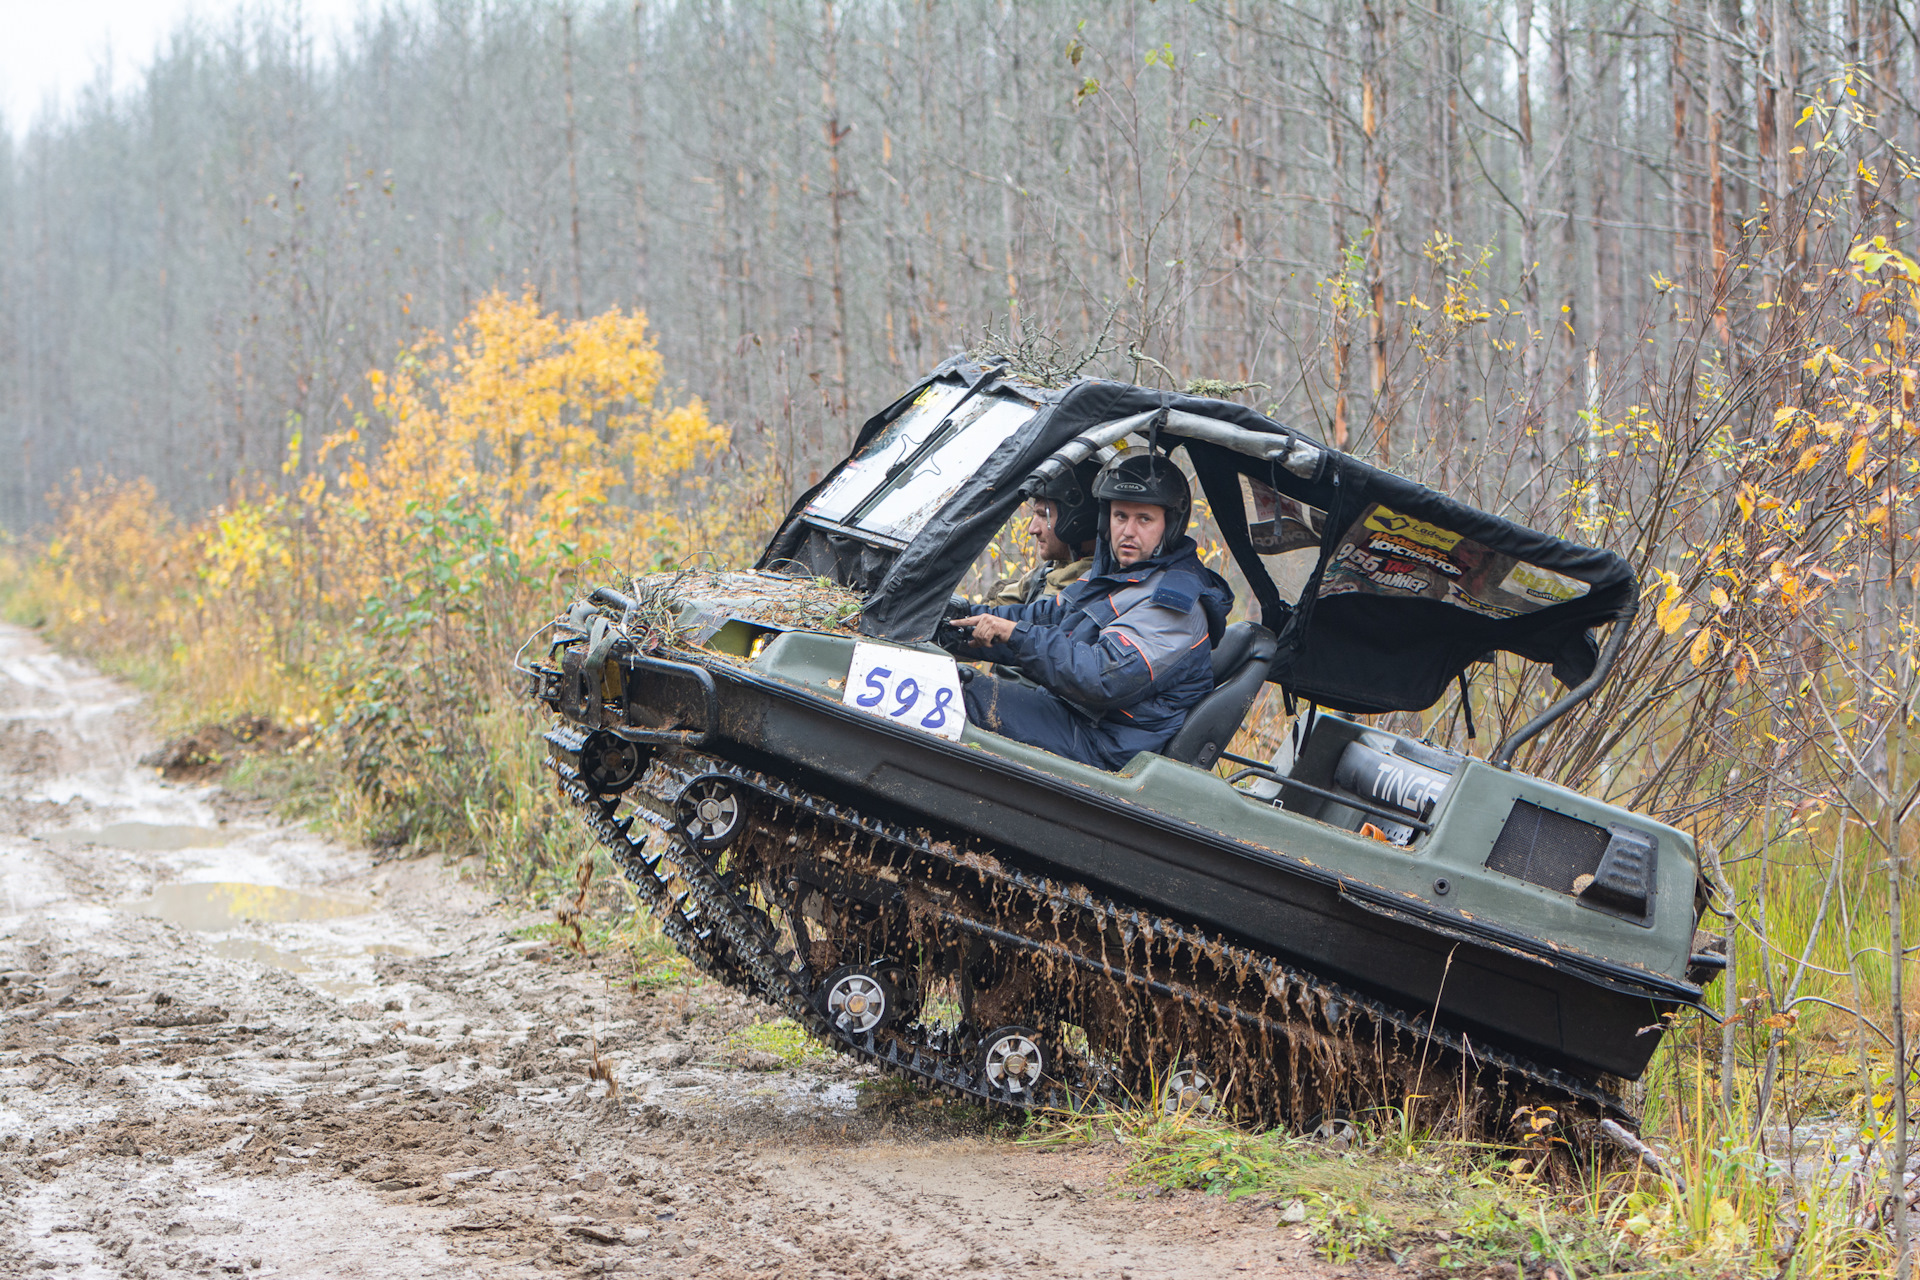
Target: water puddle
(215, 908)
(260, 953)
(225, 906)
(146, 837)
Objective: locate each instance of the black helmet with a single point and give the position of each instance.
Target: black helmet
(1152, 479)
(1076, 514)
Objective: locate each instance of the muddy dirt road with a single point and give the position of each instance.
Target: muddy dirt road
(229, 1047)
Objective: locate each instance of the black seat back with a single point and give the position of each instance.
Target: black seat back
(1240, 664)
(1231, 653)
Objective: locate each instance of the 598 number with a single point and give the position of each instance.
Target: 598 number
(901, 699)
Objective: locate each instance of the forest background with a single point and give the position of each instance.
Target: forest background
(331, 370)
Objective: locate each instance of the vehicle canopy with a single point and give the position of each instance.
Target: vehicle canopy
(1407, 586)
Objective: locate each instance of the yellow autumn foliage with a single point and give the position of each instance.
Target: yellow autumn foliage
(550, 427)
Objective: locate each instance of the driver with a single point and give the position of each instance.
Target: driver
(1124, 653)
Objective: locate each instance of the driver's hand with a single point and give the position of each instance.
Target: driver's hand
(987, 628)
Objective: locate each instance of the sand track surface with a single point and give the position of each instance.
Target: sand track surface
(231, 1047)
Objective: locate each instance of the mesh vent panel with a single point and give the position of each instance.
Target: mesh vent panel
(1548, 848)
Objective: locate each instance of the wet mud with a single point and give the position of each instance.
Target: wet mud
(231, 1047)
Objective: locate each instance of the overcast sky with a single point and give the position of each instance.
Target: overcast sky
(50, 48)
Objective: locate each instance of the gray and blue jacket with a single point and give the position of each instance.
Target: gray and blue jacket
(1124, 652)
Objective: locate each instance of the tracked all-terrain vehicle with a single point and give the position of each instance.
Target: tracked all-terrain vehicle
(780, 761)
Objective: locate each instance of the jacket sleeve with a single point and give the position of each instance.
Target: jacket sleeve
(1119, 668)
(1044, 612)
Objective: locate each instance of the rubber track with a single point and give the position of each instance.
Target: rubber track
(1281, 980)
(710, 911)
(751, 961)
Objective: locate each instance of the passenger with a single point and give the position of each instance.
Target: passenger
(1063, 524)
(1124, 653)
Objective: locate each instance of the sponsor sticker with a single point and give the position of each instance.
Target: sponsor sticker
(1390, 554)
(1531, 582)
(1280, 524)
(1386, 520)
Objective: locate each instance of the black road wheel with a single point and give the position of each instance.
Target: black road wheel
(1190, 1089)
(1335, 1128)
(859, 998)
(712, 812)
(1013, 1058)
(609, 764)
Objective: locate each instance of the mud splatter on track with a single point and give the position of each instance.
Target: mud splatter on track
(228, 1047)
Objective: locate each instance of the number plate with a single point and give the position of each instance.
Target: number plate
(907, 687)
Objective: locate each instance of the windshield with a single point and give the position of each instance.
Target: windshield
(889, 490)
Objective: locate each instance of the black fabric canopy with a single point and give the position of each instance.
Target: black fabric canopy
(1408, 587)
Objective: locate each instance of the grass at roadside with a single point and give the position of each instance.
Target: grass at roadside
(1377, 1194)
(302, 785)
(784, 1038)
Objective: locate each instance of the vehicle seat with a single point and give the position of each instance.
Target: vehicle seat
(1240, 664)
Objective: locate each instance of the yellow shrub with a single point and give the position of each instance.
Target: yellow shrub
(549, 428)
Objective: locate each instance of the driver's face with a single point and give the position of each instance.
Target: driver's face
(1135, 530)
(1040, 529)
